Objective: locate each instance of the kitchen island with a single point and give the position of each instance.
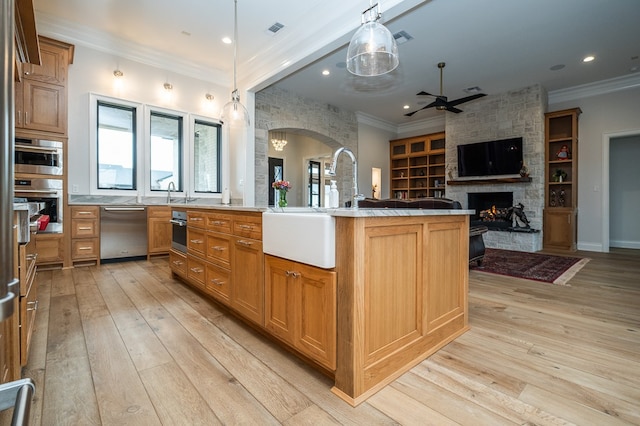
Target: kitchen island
(397, 293)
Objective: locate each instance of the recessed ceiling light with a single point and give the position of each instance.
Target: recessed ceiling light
(226, 40)
(406, 107)
(326, 72)
(588, 58)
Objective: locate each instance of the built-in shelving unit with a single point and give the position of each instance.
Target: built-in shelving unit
(561, 179)
(418, 166)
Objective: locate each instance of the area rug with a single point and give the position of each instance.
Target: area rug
(532, 266)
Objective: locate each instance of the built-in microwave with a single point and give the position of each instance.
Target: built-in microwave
(38, 156)
(45, 191)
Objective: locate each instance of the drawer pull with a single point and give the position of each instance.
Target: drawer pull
(85, 248)
(245, 243)
(293, 274)
(219, 222)
(218, 282)
(195, 219)
(85, 228)
(197, 270)
(247, 227)
(31, 256)
(84, 212)
(196, 241)
(219, 248)
(178, 262)
(32, 306)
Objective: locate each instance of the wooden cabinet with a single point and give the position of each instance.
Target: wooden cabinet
(561, 180)
(159, 230)
(85, 234)
(418, 166)
(41, 96)
(178, 263)
(247, 290)
(300, 308)
(50, 248)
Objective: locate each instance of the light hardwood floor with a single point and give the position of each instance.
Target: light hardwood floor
(127, 344)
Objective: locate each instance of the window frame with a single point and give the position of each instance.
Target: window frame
(143, 150)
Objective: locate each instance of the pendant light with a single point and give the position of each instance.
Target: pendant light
(234, 113)
(373, 49)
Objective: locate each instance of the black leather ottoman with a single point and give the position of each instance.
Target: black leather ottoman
(476, 244)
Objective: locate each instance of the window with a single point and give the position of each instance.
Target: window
(143, 149)
(206, 148)
(165, 152)
(116, 146)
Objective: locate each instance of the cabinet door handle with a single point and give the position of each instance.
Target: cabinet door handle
(245, 243)
(293, 274)
(26, 117)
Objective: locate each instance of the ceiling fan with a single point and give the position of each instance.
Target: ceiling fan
(441, 103)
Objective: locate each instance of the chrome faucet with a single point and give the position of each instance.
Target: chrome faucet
(332, 171)
(169, 188)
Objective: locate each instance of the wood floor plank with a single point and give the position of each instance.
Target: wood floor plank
(536, 354)
(176, 399)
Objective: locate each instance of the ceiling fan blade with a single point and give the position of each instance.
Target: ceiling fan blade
(423, 93)
(466, 99)
(431, 105)
(453, 109)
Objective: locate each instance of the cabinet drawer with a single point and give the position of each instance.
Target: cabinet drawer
(248, 226)
(196, 271)
(196, 219)
(84, 248)
(219, 222)
(84, 212)
(178, 263)
(84, 228)
(196, 241)
(218, 282)
(219, 248)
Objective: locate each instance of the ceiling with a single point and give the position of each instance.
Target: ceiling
(495, 45)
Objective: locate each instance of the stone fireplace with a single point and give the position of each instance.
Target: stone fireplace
(489, 207)
(518, 113)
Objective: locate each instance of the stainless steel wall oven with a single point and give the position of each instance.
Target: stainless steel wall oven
(46, 191)
(38, 156)
(179, 233)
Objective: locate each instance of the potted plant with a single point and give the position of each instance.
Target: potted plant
(560, 175)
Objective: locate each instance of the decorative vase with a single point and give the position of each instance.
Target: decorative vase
(282, 201)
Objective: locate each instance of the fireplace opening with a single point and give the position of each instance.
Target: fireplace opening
(491, 209)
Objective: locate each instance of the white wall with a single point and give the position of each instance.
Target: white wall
(624, 192)
(92, 72)
(373, 151)
(612, 113)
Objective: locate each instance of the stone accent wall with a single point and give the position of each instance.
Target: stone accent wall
(518, 113)
(277, 109)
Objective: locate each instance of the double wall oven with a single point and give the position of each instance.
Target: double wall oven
(38, 168)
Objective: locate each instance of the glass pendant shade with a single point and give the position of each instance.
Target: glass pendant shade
(234, 114)
(372, 51)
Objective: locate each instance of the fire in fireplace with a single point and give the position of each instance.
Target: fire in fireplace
(493, 209)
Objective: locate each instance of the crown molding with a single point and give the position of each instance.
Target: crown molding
(88, 37)
(594, 89)
(430, 125)
(370, 120)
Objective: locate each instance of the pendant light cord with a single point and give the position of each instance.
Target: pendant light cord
(235, 48)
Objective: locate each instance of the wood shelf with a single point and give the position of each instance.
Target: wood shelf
(489, 181)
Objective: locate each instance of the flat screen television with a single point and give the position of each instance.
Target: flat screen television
(492, 158)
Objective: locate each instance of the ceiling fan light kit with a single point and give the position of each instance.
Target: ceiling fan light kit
(441, 103)
(234, 113)
(373, 50)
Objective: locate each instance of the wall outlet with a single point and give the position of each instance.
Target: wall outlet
(74, 189)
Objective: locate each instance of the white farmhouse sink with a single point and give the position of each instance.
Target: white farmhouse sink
(308, 237)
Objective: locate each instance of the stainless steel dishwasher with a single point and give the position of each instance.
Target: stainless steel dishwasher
(123, 233)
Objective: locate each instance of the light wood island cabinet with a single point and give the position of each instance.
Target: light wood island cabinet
(85, 234)
(158, 230)
(397, 294)
(300, 307)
